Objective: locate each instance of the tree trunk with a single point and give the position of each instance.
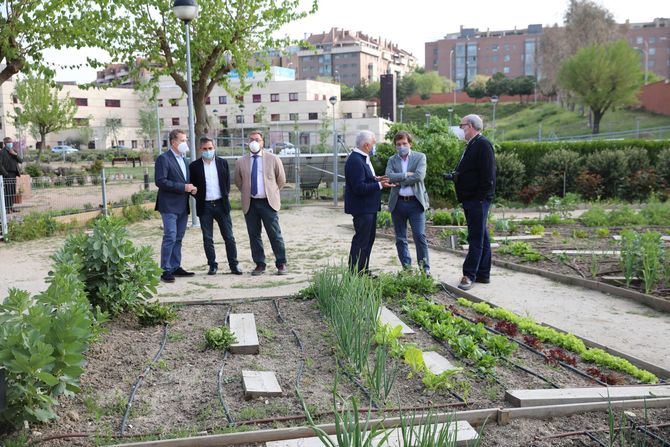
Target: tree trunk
(43, 145)
(597, 116)
(201, 127)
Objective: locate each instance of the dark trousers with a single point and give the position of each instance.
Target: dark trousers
(365, 227)
(10, 192)
(478, 261)
(262, 214)
(213, 211)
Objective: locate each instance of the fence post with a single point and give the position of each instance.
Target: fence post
(104, 193)
(297, 171)
(146, 179)
(3, 210)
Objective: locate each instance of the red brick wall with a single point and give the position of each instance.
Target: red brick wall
(656, 97)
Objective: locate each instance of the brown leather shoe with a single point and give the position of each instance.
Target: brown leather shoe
(466, 283)
(281, 269)
(259, 270)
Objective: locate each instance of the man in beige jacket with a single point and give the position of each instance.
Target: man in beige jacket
(259, 176)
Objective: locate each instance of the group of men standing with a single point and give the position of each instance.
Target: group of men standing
(9, 170)
(258, 175)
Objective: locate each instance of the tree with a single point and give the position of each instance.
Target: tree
(43, 111)
(477, 88)
(28, 27)
(497, 85)
(406, 87)
(523, 85)
(602, 76)
(244, 30)
(148, 122)
(112, 126)
(429, 83)
(364, 90)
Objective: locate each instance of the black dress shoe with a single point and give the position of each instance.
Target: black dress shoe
(167, 277)
(180, 272)
(235, 270)
(259, 270)
(212, 270)
(483, 280)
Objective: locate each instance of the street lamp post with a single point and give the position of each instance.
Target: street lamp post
(451, 111)
(216, 128)
(187, 10)
(494, 101)
(401, 106)
(333, 100)
(451, 53)
(158, 130)
(427, 118)
(645, 51)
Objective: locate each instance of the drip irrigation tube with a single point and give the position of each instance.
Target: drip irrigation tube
(301, 368)
(531, 372)
(595, 438)
(358, 385)
(219, 381)
(139, 380)
(530, 348)
(642, 429)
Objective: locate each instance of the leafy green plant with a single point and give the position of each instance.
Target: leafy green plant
(442, 218)
(537, 230)
(117, 275)
(135, 213)
(624, 216)
(655, 212)
(602, 233)
(595, 217)
(220, 337)
(155, 313)
(379, 378)
(651, 259)
(521, 250)
(384, 219)
(34, 226)
(458, 217)
(629, 254)
(579, 234)
(396, 286)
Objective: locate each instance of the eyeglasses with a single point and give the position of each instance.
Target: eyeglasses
(463, 125)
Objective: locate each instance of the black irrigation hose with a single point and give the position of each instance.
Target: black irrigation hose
(531, 372)
(642, 429)
(530, 348)
(280, 317)
(595, 438)
(139, 380)
(301, 368)
(219, 381)
(358, 385)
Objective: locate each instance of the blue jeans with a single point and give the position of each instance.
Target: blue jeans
(413, 211)
(365, 227)
(174, 227)
(213, 211)
(478, 261)
(262, 214)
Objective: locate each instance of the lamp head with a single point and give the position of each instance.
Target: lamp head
(494, 99)
(401, 105)
(333, 100)
(185, 10)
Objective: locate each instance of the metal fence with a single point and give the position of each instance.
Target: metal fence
(648, 133)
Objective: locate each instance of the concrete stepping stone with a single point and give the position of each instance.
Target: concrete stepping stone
(260, 384)
(465, 434)
(531, 398)
(586, 252)
(467, 247)
(244, 328)
(436, 363)
(521, 237)
(388, 317)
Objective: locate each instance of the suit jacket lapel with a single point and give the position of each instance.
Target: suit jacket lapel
(175, 163)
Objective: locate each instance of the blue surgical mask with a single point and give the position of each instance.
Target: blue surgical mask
(402, 150)
(208, 155)
(373, 150)
(9, 145)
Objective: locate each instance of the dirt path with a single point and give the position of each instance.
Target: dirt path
(318, 235)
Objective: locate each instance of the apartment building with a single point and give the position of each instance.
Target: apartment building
(350, 57)
(463, 55)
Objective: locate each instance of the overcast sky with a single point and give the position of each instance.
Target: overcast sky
(414, 22)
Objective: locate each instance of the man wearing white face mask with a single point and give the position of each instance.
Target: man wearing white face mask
(172, 180)
(9, 169)
(408, 200)
(260, 176)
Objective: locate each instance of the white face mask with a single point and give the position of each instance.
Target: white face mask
(254, 146)
(460, 134)
(183, 148)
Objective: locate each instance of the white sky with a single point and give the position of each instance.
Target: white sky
(411, 23)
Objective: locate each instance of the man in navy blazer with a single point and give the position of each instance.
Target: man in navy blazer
(171, 176)
(210, 174)
(362, 199)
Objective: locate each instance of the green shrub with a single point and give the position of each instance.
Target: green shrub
(384, 219)
(510, 173)
(656, 213)
(594, 217)
(557, 172)
(442, 218)
(624, 216)
(458, 217)
(663, 166)
(638, 159)
(43, 343)
(117, 275)
(537, 230)
(135, 213)
(143, 196)
(34, 226)
(612, 167)
(34, 170)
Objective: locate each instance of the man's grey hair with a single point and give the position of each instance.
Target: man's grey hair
(364, 136)
(475, 121)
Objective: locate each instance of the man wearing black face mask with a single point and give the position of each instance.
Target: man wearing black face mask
(475, 185)
(9, 169)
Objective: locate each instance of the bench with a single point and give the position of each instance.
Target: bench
(125, 160)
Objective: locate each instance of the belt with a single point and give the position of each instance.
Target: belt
(213, 201)
(259, 198)
(406, 198)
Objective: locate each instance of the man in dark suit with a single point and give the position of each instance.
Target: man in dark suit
(211, 176)
(9, 169)
(362, 199)
(475, 185)
(172, 202)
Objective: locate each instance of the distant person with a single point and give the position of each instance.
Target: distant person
(172, 202)
(210, 175)
(362, 199)
(475, 180)
(259, 175)
(9, 169)
(408, 200)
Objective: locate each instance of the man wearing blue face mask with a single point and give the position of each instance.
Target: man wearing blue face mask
(211, 176)
(408, 200)
(9, 169)
(171, 176)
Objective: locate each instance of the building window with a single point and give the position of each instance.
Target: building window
(15, 99)
(208, 100)
(506, 70)
(294, 116)
(274, 117)
(121, 143)
(506, 47)
(652, 51)
(223, 100)
(160, 102)
(274, 97)
(313, 116)
(174, 102)
(81, 121)
(258, 118)
(507, 58)
(256, 98)
(133, 144)
(112, 103)
(494, 48)
(239, 119)
(293, 96)
(348, 115)
(494, 59)
(81, 101)
(639, 40)
(223, 120)
(652, 39)
(175, 121)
